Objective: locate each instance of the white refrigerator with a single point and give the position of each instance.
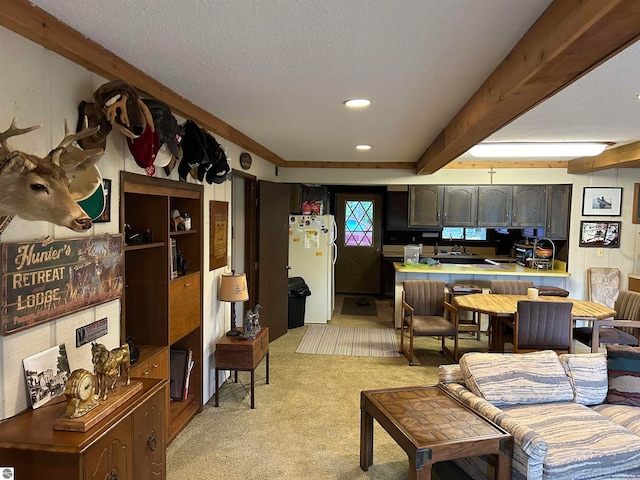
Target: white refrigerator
(312, 256)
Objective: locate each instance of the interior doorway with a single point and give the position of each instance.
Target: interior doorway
(359, 243)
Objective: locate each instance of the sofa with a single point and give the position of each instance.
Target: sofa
(572, 416)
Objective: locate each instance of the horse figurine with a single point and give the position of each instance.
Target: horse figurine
(106, 365)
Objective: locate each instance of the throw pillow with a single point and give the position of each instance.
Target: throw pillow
(516, 379)
(587, 373)
(623, 368)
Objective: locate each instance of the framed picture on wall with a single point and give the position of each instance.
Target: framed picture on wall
(600, 234)
(602, 201)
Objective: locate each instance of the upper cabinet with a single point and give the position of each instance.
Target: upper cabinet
(460, 206)
(494, 205)
(558, 208)
(529, 205)
(425, 205)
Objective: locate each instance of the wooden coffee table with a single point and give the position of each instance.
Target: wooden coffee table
(431, 426)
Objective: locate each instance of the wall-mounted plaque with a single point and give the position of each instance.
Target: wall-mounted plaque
(42, 281)
(219, 225)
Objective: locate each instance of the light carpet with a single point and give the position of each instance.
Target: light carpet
(349, 341)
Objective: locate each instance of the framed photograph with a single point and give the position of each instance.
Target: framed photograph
(636, 203)
(600, 234)
(602, 201)
(46, 374)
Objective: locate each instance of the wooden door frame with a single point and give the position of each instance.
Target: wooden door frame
(250, 230)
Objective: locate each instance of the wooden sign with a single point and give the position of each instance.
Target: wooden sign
(218, 233)
(42, 281)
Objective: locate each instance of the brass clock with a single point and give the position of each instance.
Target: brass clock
(80, 391)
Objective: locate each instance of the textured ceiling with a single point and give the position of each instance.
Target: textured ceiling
(279, 70)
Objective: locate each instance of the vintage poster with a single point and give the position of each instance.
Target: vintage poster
(42, 281)
(219, 227)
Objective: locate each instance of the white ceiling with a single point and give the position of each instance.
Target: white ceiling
(279, 70)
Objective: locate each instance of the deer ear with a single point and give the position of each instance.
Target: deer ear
(81, 159)
(17, 164)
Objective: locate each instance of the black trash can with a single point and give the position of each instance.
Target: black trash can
(298, 293)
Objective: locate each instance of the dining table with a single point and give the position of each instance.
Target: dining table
(501, 307)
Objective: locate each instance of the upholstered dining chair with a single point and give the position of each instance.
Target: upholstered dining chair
(624, 329)
(504, 287)
(510, 287)
(542, 326)
(426, 313)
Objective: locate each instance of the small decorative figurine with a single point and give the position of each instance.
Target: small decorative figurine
(106, 365)
(252, 323)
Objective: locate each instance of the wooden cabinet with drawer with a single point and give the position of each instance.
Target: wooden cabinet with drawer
(153, 363)
(129, 444)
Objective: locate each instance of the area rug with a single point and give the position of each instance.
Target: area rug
(349, 341)
(351, 306)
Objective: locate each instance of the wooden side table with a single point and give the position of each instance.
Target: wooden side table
(431, 426)
(237, 354)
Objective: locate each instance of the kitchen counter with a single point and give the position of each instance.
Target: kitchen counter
(506, 269)
(477, 274)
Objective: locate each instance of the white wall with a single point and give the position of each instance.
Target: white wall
(40, 87)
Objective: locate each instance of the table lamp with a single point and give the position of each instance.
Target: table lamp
(233, 288)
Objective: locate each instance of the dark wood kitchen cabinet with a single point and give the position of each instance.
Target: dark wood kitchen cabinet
(494, 205)
(129, 444)
(558, 211)
(397, 211)
(425, 205)
(529, 202)
(460, 206)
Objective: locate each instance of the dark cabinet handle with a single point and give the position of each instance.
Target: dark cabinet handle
(113, 475)
(151, 441)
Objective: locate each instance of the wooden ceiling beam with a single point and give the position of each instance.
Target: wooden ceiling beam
(42, 28)
(570, 38)
(625, 156)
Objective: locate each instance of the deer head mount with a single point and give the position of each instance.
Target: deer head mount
(35, 188)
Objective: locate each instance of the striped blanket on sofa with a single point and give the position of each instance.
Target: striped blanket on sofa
(553, 406)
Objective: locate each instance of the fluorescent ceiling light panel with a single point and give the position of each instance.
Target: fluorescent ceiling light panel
(537, 149)
(357, 102)
(363, 147)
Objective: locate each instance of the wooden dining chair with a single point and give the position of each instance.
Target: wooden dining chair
(542, 326)
(624, 329)
(425, 312)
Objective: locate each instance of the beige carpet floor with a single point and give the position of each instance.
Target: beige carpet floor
(306, 424)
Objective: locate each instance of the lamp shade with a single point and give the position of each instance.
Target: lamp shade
(233, 288)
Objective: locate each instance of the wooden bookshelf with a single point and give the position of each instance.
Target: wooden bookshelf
(160, 312)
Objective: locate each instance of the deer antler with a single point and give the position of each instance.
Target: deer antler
(112, 105)
(12, 131)
(76, 153)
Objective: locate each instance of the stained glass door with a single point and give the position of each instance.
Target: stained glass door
(359, 243)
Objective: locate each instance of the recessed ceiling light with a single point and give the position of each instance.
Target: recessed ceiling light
(363, 147)
(357, 102)
(589, 149)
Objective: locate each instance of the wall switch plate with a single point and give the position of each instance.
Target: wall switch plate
(600, 252)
